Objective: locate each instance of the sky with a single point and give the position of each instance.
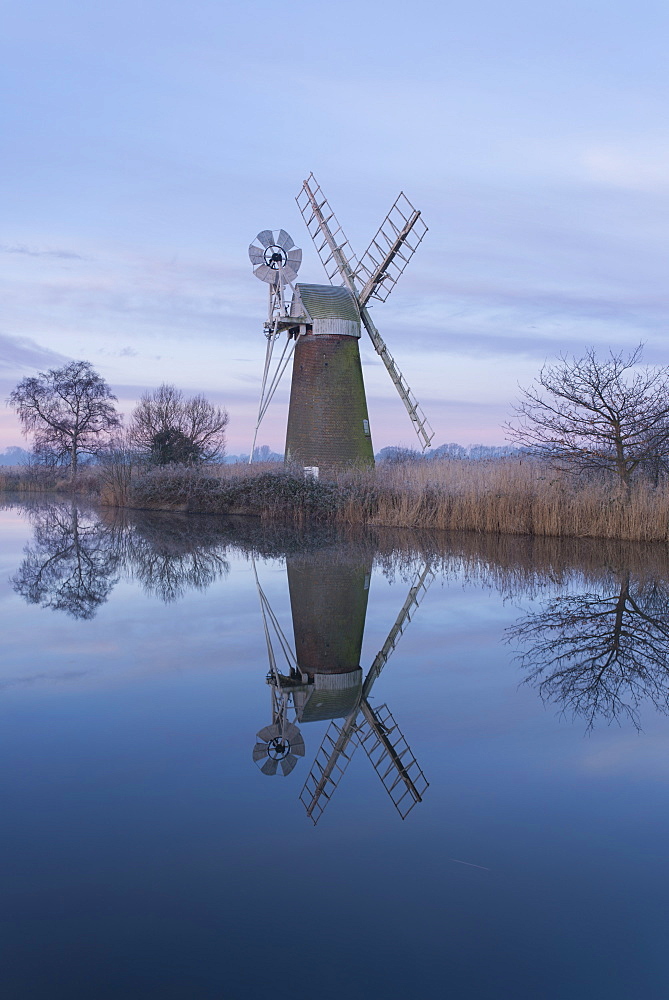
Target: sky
(145, 144)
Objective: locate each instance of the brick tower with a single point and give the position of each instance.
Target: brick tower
(328, 423)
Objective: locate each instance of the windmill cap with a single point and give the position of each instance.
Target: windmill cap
(330, 309)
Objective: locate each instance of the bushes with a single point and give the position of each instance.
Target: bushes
(269, 495)
(508, 497)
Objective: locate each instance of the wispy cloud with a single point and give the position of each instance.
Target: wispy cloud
(23, 352)
(541, 172)
(32, 252)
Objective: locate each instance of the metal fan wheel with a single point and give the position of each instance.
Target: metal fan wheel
(275, 257)
(278, 748)
(274, 253)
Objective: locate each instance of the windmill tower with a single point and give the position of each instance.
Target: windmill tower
(324, 681)
(328, 422)
(322, 678)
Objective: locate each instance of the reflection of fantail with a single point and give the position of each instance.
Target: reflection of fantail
(279, 745)
(324, 681)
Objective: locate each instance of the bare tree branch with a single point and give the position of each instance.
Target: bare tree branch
(588, 414)
(171, 428)
(68, 409)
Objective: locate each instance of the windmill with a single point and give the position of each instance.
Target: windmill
(324, 681)
(328, 422)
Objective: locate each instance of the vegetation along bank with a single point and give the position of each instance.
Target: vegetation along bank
(510, 496)
(593, 459)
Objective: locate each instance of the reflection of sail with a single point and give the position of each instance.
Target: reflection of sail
(601, 654)
(384, 744)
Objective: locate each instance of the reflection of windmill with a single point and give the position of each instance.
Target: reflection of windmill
(377, 733)
(328, 423)
(324, 680)
(280, 743)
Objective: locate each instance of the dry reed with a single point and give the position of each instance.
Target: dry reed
(38, 479)
(508, 496)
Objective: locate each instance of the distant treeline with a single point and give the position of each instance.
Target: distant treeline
(261, 454)
(20, 456)
(394, 453)
(475, 452)
(14, 456)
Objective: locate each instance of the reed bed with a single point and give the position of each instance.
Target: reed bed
(510, 496)
(507, 496)
(35, 479)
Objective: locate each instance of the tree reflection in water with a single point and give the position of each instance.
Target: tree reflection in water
(71, 565)
(171, 555)
(598, 652)
(78, 555)
(601, 655)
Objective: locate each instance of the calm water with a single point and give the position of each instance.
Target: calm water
(145, 854)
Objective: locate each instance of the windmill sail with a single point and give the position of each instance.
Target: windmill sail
(329, 238)
(392, 247)
(413, 408)
(386, 257)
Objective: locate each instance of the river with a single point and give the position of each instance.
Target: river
(254, 763)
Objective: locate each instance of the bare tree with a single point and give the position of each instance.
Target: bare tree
(587, 414)
(69, 410)
(172, 428)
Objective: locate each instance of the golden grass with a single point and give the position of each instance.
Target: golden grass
(509, 496)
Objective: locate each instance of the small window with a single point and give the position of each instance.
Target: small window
(365, 426)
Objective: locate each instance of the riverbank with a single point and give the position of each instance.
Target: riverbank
(511, 496)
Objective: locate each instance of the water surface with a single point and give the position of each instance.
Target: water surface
(146, 854)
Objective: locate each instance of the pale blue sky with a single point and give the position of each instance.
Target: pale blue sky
(145, 144)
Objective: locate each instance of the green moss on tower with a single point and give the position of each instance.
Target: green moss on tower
(328, 423)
